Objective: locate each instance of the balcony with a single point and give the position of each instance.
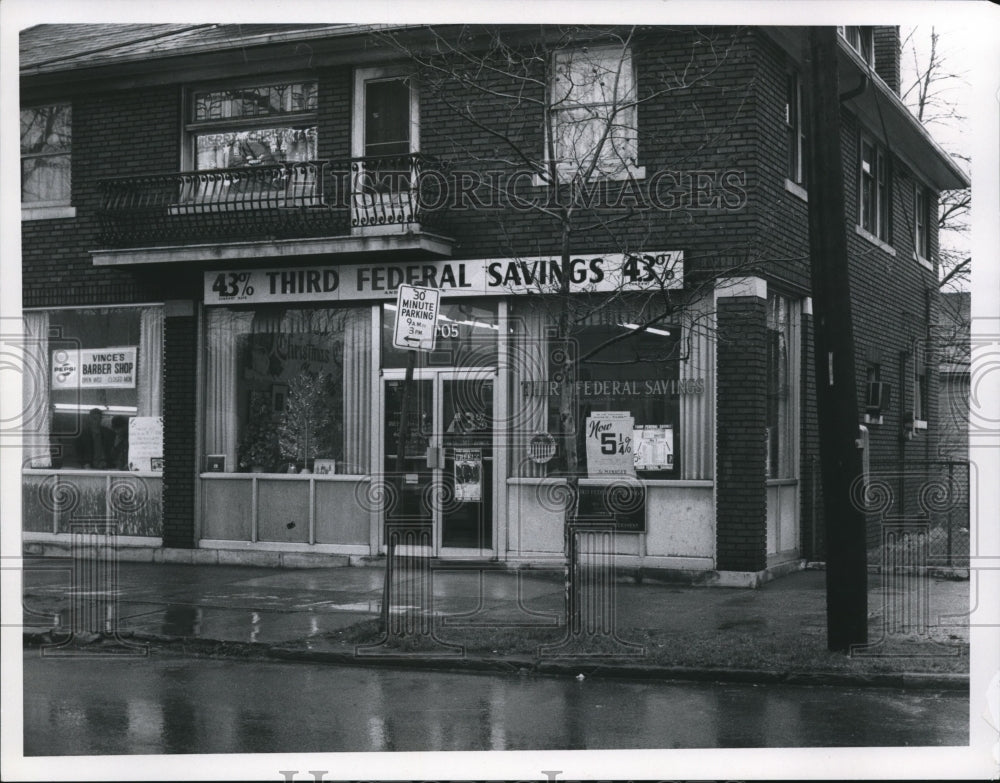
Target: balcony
(348, 198)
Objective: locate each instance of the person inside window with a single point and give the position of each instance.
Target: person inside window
(96, 444)
(119, 450)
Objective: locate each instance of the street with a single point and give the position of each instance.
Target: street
(165, 704)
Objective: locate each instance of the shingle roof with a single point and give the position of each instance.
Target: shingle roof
(64, 46)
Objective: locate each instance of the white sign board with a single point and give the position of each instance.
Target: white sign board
(611, 272)
(416, 318)
(609, 444)
(145, 443)
(94, 368)
(654, 446)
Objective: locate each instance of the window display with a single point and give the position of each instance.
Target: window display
(627, 364)
(289, 388)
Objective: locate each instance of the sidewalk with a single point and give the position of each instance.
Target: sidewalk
(514, 621)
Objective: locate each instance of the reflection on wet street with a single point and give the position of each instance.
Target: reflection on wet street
(178, 705)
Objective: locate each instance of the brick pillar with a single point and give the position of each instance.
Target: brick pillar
(180, 358)
(741, 397)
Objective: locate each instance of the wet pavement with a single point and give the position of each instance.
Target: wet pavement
(163, 704)
(266, 605)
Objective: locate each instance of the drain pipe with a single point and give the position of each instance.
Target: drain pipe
(862, 86)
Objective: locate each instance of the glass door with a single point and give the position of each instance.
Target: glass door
(446, 475)
(466, 510)
(411, 474)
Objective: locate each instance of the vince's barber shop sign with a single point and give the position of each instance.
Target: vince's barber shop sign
(92, 368)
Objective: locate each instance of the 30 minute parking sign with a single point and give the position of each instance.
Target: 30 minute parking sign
(416, 317)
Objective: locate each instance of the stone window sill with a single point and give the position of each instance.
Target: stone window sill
(48, 212)
(875, 240)
(797, 190)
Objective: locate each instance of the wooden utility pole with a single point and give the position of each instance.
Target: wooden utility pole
(836, 386)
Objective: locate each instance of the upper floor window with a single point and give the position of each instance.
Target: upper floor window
(253, 124)
(860, 40)
(921, 222)
(795, 167)
(385, 132)
(46, 135)
(593, 112)
(875, 190)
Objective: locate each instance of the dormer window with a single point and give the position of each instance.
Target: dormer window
(860, 40)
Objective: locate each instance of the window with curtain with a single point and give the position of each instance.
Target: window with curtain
(95, 369)
(593, 112)
(287, 387)
(46, 136)
(254, 124)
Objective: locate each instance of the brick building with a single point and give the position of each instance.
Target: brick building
(216, 220)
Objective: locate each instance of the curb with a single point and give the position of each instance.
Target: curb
(527, 665)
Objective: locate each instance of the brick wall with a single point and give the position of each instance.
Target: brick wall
(893, 300)
(708, 128)
(117, 134)
(886, 43)
(782, 226)
(741, 384)
(180, 357)
(893, 295)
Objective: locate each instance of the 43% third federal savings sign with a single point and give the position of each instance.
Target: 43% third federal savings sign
(416, 317)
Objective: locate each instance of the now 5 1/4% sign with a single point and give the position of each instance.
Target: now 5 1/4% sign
(233, 284)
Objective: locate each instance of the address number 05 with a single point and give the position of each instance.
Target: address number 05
(447, 330)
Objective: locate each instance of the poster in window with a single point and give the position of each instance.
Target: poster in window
(94, 368)
(609, 444)
(468, 475)
(145, 443)
(654, 446)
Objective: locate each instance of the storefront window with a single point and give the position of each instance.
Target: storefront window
(628, 364)
(96, 376)
(625, 368)
(467, 334)
(289, 389)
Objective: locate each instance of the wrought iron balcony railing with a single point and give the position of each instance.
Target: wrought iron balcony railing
(270, 201)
